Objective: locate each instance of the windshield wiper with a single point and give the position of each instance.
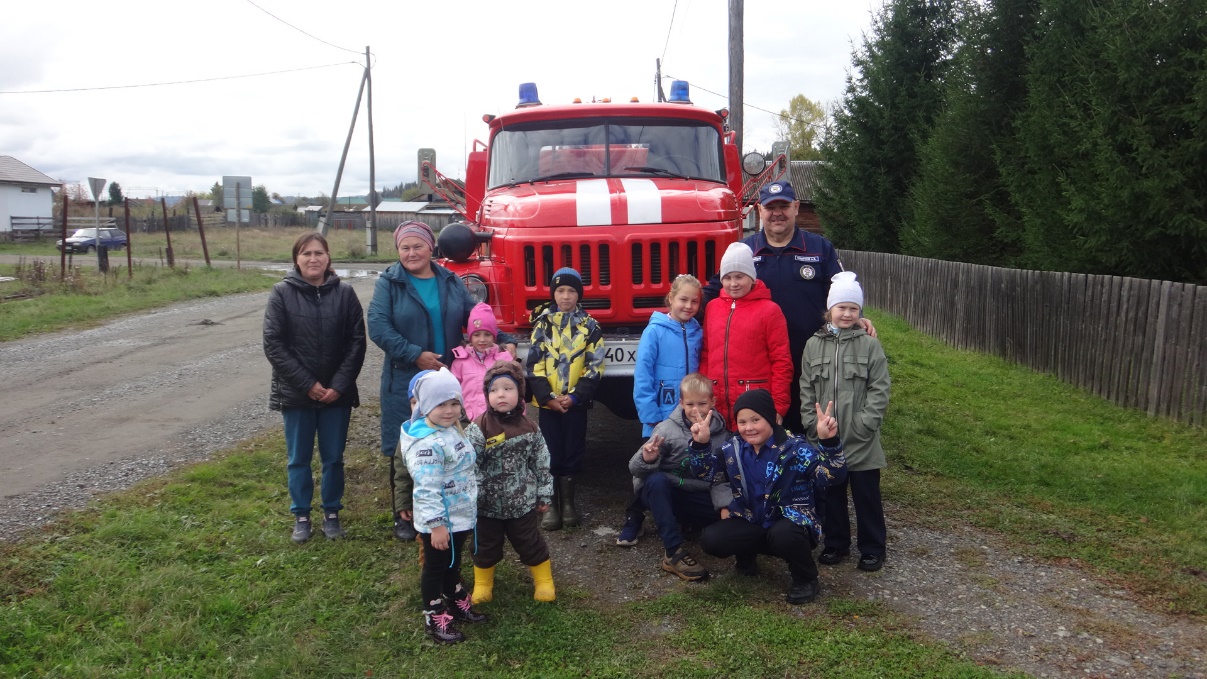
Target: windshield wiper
(657, 170)
(559, 175)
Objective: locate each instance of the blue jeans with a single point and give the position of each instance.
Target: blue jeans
(301, 425)
(671, 505)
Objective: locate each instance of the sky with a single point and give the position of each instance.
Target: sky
(437, 68)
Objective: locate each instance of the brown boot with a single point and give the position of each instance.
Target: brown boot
(565, 486)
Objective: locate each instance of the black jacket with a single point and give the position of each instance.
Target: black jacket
(313, 334)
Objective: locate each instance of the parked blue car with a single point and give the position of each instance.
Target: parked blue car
(84, 240)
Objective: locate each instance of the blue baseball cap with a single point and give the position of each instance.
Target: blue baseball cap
(774, 191)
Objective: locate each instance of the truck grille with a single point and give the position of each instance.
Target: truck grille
(652, 264)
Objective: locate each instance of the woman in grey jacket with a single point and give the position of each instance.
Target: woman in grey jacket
(843, 364)
(314, 337)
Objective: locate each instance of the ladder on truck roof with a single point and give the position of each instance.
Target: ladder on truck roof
(450, 190)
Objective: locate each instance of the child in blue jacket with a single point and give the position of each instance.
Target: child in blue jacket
(772, 476)
(669, 350)
(442, 463)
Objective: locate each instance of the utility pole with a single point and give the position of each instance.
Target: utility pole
(736, 47)
(658, 80)
(372, 174)
(339, 173)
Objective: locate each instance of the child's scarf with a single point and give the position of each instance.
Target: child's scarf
(510, 424)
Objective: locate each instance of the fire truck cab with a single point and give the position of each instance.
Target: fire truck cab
(630, 194)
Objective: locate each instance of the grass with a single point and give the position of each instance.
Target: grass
(1063, 474)
(38, 302)
(194, 576)
(259, 245)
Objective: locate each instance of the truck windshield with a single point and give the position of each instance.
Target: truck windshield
(614, 147)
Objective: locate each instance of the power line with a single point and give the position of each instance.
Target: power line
(182, 82)
(301, 31)
(668, 30)
(757, 108)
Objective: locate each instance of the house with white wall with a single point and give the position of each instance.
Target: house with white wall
(25, 194)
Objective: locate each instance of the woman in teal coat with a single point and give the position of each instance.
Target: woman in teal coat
(416, 316)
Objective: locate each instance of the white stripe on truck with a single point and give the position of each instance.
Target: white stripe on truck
(593, 202)
(645, 201)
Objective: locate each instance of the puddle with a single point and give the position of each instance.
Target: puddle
(342, 273)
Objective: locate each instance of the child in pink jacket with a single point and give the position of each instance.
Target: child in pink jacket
(471, 361)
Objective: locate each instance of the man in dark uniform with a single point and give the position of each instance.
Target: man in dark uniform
(797, 267)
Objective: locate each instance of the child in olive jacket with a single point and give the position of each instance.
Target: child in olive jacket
(514, 484)
(844, 364)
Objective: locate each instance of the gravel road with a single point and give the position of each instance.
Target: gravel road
(92, 411)
(84, 413)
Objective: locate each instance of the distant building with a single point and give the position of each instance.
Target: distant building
(803, 176)
(391, 213)
(26, 199)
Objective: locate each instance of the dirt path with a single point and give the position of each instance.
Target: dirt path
(94, 411)
(91, 411)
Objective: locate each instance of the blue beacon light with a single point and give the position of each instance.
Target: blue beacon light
(528, 95)
(679, 93)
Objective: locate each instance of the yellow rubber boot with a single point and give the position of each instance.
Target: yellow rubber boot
(542, 581)
(484, 585)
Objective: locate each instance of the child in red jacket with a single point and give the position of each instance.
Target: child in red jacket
(745, 337)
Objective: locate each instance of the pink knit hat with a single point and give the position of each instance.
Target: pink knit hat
(482, 317)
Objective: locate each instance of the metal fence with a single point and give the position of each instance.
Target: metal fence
(1136, 342)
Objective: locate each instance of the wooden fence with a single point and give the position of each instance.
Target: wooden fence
(1136, 342)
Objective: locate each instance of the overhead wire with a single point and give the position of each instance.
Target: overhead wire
(183, 82)
(779, 114)
(301, 31)
(668, 30)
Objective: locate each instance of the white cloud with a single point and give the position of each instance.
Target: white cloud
(439, 67)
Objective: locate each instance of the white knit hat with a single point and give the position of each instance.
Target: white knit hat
(844, 288)
(432, 389)
(738, 258)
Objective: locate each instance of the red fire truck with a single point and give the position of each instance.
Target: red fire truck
(630, 194)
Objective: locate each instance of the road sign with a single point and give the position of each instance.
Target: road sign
(228, 193)
(97, 185)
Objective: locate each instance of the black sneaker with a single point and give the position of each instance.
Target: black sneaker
(301, 529)
(831, 557)
(747, 564)
(462, 607)
(870, 562)
(802, 592)
(438, 623)
(634, 528)
(331, 527)
(404, 530)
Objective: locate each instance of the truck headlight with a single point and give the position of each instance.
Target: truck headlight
(477, 288)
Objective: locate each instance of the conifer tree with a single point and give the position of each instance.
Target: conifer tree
(891, 101)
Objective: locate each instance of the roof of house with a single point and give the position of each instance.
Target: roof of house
(399, 206)
(13, 171)
(803, 176)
